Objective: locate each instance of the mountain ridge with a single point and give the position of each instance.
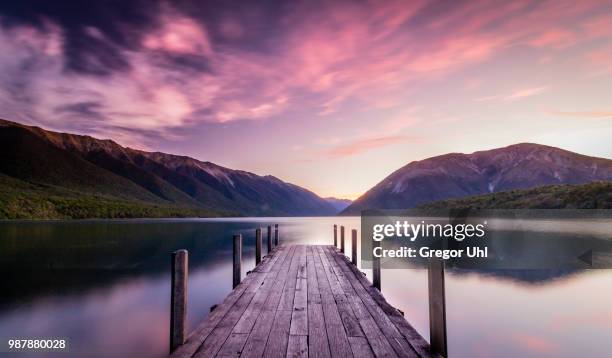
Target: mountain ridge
(457, 175)
(103, 167)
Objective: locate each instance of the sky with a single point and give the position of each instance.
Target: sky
(329, 95)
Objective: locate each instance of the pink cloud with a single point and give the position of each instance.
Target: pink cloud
(179, 34)
(525, 92)
(582, 114)
(555, 38)
(362, 145)
(359, 55)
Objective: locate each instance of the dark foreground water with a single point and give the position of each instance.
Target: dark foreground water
(104, 286)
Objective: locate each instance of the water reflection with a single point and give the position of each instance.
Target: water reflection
(104, 285)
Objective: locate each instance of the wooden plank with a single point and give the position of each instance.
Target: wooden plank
(233, 345)
(317, 334)
(288, 295)
(400, 344)
(256, 342)
(350, 322)
(375, 336)
(360, 347)
(417, 342)
(276, 346)
(246, 322)
(297, 346)
(299, 317)
(336, 334)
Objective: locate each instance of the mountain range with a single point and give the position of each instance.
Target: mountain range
(458, 175)
(65, 175)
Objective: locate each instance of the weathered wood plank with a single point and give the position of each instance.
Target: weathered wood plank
(297, 346)
(317, 334)
(288, 295)
(417, 342)
(279, 335)
(376, 338)
(336, 334)
(360, 347)
(299, 317)
(233, 345)
(256, 342)
(246, 322)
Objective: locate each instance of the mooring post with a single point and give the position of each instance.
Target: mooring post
(342, 239)
(178, 299)
(376, 267)
(354, 247)
(257, 246)
(269, 239)
(335, 236)
(275, 235)
(437, 307)
(237, 259)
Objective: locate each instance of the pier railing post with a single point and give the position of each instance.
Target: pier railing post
(275, 235)
(437, 307)
(354, 247)
(237, 259)
(342, 239)
(376, 267)
(335, 236)
(257, 246)
(178, 299)
(269, 239)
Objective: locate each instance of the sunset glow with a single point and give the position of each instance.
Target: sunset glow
(329, 95)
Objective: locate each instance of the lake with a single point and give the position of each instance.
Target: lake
(104, 285)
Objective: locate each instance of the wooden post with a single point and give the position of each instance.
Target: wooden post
(269, 239)
(437, 307)
(275, 235)
(237, 259)
(335, 236)
(375, 267)
(257, 246)
(178, 299)
(342, 239)
(354, 247)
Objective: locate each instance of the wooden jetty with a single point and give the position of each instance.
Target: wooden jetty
(300, 301)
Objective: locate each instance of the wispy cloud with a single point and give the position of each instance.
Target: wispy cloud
(515, 95)
(582, 114)
(182, 68)
(361, 145)
(525, 92)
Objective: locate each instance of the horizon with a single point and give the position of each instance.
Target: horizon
(311, 91)
(322, 196)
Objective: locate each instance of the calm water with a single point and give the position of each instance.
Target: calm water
(104, 285)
